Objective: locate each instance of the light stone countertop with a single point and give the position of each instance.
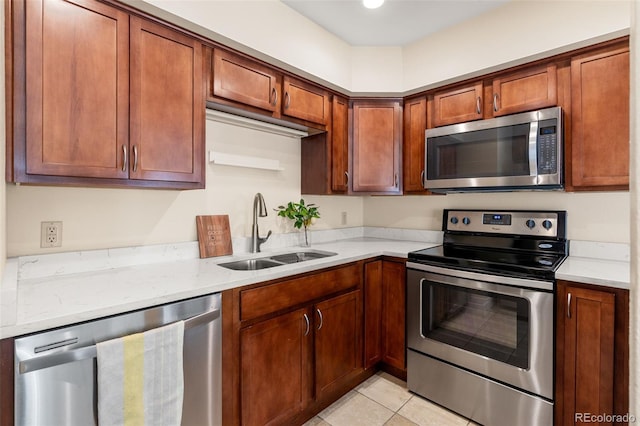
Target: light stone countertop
(58, 295)
(38, 304)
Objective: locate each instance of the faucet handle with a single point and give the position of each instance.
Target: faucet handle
(267, 237)
(263, 240)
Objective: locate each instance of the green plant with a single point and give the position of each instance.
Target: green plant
(302, 214)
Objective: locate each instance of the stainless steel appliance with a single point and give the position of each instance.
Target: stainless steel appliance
(480, 315)
(515, 152)
(55, 371)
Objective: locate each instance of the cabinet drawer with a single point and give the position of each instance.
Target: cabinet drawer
(271, 298)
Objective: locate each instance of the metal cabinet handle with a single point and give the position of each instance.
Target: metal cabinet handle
(395, 180)
(478, 110)
(306, 319)
(422, 177)
(495, 102)
(321, 319)
(274, 95)
(347, 176)
(287, 100)
(135, 158)
(568, 305)
(124, 158)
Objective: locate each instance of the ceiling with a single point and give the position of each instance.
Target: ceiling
(395, 23)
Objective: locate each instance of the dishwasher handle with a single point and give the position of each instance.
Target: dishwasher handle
(88, 352)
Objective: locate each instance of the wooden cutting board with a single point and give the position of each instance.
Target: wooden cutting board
(214, 235)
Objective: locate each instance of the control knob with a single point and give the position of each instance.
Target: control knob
(454, 220)
(530, 223)
(466, 220)
(546, 224)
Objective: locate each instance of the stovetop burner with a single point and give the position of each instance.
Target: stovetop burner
(529, 244)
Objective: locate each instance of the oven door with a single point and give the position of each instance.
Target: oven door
(483, 323)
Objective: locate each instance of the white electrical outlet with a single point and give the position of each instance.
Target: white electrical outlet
(343, 219)
(50, 234)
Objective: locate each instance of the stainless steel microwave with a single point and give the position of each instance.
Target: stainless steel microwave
(515, 152)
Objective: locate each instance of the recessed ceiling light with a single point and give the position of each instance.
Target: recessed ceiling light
(372, 4)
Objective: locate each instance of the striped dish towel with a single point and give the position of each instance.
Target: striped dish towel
(140, 378)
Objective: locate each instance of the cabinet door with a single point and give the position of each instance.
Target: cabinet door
(305, 101)
(338, 322)
(393, 314)
(600, 120)
(588, 323)
(340, 145)
(525, 91)
(415, 124)
(167, 104)
(377, 140)
(242, 80)
(77, 89)
(458, 105)
(373, 300)
(275, 382)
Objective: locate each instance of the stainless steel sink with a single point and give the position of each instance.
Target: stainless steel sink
(301, 256)
(277, 260)
(251, 264)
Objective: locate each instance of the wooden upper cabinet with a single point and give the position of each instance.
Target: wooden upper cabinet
(415, 124)
(600, 119)
(340, 145)
(532, 88)
(77, 89)
(305, 101)
(240, 79)
(167, 104)
(458, 105)
(377, 146)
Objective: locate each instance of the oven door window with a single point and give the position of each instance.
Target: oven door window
(488, 324)
(494, 152)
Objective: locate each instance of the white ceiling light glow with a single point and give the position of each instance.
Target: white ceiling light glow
(372, 4)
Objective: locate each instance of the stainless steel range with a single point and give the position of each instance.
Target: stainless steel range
(480, 315)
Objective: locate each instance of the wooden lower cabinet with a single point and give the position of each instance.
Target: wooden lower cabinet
(275, 375)
(385, 303)
(592, 364)
(292, 346)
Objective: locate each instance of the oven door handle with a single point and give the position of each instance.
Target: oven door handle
(477, 276)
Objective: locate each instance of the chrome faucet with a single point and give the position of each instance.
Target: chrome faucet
(259, 210)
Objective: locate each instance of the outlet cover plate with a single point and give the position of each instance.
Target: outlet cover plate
(50, 234)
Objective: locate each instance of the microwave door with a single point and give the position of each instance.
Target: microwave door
(494, 157)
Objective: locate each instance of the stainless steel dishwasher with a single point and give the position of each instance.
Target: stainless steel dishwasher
(55, 371)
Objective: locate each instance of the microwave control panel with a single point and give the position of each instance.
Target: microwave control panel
(547, 142)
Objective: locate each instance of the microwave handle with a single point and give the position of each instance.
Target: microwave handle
(533, 151)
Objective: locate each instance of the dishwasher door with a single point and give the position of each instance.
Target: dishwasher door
(56, 371)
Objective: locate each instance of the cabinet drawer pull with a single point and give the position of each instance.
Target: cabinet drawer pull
(135, 158)
(568, 305)
(321, 319)
(274, 96)
(495, 102)
(287, 100)
(306, 320)
(124, 158)
(478, 107)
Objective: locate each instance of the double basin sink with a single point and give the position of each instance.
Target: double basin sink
(276, 260)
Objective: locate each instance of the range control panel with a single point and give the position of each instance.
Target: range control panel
(534, 223)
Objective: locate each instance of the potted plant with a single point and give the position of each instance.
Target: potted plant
(302, 214)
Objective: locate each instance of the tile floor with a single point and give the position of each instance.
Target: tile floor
(385, 400)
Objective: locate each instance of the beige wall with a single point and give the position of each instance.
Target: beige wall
(634, 336)
(599, 216)
(100, 217)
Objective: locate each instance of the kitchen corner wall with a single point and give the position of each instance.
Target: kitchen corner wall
(102, 218)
